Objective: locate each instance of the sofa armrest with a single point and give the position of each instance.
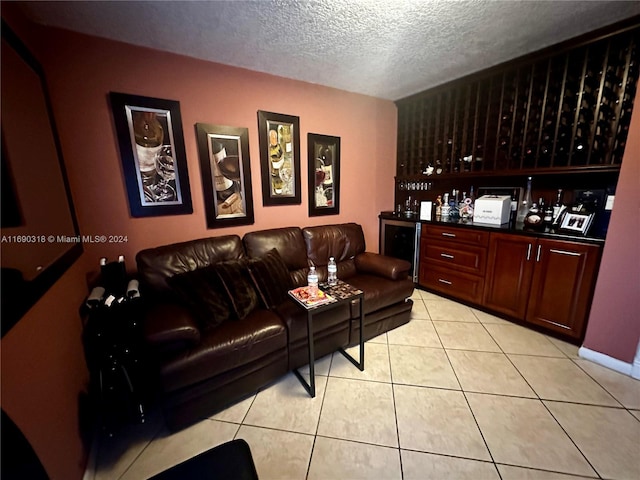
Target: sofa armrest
(170, 327)
(388, 267)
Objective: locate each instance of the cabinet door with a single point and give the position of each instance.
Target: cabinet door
(509, 273)
(563, 281)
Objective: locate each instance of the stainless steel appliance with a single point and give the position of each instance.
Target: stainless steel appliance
(401, 239)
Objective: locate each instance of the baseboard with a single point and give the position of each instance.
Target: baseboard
(630, 369)
(635, 369)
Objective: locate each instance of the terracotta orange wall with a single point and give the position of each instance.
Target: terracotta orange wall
(44, 374)
(614, 322)
(43, 368)
(82, 71)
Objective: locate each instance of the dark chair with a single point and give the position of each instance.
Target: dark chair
(229, 461)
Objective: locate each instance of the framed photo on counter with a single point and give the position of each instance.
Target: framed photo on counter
(576, 223)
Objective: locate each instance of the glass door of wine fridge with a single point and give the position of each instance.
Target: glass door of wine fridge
(401, 239)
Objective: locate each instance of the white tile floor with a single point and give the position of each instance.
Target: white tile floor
(454, 394)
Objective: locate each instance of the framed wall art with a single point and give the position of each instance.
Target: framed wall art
(324, 174)
(226, 174)
(153, 156)
(279, 137)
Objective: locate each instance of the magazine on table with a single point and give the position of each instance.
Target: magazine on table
(302, 295)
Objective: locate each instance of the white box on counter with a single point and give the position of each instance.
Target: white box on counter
(492, 209)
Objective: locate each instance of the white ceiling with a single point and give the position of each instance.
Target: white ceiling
(384, 48)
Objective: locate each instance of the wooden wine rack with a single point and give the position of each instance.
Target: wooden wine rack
(565, 109)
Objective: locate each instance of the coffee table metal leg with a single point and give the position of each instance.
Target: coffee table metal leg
(360, 364)
(311, 386)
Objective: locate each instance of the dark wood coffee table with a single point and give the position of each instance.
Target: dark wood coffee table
(341, 292)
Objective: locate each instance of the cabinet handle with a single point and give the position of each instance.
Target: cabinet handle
(565, 252)
(446, 255)
(446, 234)
(529, 252)
(539, 252)
(442, 280)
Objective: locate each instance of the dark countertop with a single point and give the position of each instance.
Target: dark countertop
(517, 229)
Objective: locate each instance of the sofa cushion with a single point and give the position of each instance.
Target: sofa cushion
(157, 265)
(380, 292)
(204, 293)
(382, 265)
(239, 287)
(169, 327)
(271, 278)
(225, 348)
(343, 242)
(290, 245)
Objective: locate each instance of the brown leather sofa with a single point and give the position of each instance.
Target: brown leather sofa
(204, 367)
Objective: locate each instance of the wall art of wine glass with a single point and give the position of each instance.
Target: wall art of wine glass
(324, 174)
(153, 155)
(226, 174)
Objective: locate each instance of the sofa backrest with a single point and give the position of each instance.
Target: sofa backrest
(155, 265)
(343, 242)
(290, 245)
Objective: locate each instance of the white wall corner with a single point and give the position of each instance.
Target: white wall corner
(633, 370)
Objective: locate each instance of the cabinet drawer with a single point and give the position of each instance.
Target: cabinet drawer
(461, 235)
(463, 258)
(457, 284)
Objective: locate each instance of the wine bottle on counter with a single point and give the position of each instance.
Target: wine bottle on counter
(446, 208)
(547, 220)
(514, 205)
(557, 206)
(439, 206)
(526, 203)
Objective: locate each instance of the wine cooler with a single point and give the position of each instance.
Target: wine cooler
(401, 239)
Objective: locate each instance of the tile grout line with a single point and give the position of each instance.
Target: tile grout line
(539, 399)
(153, 438)
(315, 435)
(534, 469)
(471, 410)
(598, 383)
(395, 410)
(571, 439)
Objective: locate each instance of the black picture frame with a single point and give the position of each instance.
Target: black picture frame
(280, 161)
(576, 223)
(149, 192)
(34, 259)
(324, 174)
(225, 166)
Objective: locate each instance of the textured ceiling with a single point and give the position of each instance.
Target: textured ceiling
(384, 48)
